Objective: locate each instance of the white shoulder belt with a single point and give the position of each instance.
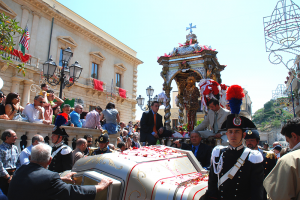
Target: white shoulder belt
(57, 150)
(231, 173)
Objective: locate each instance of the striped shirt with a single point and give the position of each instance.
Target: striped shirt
(92, 120)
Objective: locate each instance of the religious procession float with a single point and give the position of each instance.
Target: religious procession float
(187, 64)
(151, 173)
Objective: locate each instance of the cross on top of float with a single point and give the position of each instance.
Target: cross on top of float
(190, 46)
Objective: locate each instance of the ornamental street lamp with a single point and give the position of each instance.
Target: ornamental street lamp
(140, 100)
(67, 75)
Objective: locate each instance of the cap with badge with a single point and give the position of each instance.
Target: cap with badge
(252, 134)
(235, 95)
(59, 131)
(103, 138)
(278, 147)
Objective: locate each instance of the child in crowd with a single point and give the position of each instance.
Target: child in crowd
(44, 93)
(121, 146)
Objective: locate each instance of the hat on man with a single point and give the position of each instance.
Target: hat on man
(103, 138)
(60, 131)
(252, 134)
(235, 95)
(278, 147)
(61, 119)
(243, 123)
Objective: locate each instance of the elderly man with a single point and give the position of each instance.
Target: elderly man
(103, 145)
(8, 158)
(61, 154)
(135, 141)
(93, 119)
(89, 140)
(201, 151)
(151, 125)
(78, 153)
(215, 118)
(283, 182)
(35, 182)
(35, 111)
(75, 116)
(25, 154)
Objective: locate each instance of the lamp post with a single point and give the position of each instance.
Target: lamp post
(67, 75)
(140, 100)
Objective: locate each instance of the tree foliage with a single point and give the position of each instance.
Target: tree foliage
(271, 116)
(9, 29)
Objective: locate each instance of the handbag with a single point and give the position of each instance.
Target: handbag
(20, 117)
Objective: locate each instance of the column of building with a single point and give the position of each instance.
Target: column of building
(134, 90)
(34, 31)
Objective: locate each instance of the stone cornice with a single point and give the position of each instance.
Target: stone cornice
(48, 12)
(67, 40)
(7, 10)
(37, 14)
(26, 8)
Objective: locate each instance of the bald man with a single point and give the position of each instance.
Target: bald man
(24, 155)
(81, 145)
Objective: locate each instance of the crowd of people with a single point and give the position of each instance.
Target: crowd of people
(58, 158)
(47, 106)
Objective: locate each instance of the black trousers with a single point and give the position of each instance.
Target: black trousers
(4, 184)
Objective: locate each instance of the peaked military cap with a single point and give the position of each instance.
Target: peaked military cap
(252, 134)
(103, 138)
(60, 131)
(237, 121)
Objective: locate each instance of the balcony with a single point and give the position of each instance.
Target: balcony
(30, 129)
(33, 61)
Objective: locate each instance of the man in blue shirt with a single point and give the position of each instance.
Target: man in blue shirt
(24, 155)
(75, 116)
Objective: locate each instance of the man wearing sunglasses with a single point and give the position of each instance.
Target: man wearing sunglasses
(2, 107)
(35, 112)
(89, 139)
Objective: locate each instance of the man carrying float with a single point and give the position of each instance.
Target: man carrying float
(237, 172)
(211, 92)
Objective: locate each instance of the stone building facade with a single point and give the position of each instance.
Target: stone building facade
(100, 55)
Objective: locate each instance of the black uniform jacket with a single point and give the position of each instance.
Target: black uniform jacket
(269, 163)
(246, 184)
(147, 123)
(203, 153)
(61, 161)
(102, 151)
(34, 182)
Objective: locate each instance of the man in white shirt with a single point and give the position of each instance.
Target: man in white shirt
(35, 111)
(215, 118)
(24, 155)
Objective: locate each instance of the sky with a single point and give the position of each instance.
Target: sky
(233, 27)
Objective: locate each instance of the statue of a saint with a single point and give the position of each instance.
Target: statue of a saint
(190, 98)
